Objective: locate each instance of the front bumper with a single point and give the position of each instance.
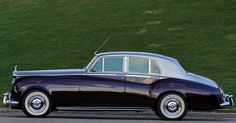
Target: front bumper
(228, 101)
(7, 101)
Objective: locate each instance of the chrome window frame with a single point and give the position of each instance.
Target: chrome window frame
(125, 66)
(149, 66)
(105, 72)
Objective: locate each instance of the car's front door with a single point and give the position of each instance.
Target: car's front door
(103, 84)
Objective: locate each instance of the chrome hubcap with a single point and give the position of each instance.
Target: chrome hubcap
(37, 103)
(172, 106)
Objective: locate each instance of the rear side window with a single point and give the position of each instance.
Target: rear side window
(141, 65)
(138, 65)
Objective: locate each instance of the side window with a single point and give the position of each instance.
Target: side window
(142, 65)
(138, 65)
(97, 66)
(113, 64)
(154, 68)
(108, 64)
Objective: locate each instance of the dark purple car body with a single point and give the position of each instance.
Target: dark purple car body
(126, 86)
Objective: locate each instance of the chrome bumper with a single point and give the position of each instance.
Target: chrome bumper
(228, 101)
(7, 101)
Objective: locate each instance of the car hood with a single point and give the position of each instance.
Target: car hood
(58, 72)
(201, 79)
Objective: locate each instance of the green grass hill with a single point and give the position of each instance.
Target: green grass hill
(57, 34)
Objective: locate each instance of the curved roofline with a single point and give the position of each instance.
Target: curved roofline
(169, 67)
(137, 53)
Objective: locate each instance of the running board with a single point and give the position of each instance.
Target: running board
(103, 108)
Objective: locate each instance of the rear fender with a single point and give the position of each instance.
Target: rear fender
(196, 94)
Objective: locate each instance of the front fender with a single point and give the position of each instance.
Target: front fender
(25, 84)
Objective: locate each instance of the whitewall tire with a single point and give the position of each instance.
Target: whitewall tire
(171, 106)
(36, 104)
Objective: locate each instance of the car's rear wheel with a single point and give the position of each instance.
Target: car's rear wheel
(171, 106)
(36, 104)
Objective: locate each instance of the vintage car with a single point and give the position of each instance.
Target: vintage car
(130, 80)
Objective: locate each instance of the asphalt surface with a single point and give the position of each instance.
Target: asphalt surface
(16, 116)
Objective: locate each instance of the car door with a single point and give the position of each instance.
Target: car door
(141, 73)
(103, 84)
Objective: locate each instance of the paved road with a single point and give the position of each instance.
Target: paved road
(114, 117)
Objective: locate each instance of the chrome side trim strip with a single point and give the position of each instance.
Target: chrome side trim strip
(141, 76)
(102, 74)
(87, 108)
(59, 72)
(127, 75)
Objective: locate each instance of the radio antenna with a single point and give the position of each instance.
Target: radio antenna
(102, 45)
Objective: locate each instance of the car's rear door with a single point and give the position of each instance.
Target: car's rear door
(141, 73)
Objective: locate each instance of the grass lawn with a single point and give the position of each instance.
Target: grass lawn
(41, 34)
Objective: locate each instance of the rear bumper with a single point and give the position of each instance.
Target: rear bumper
(7, 101)
(228, 101)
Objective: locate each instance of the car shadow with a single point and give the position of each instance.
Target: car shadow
(113, 116)
(103, 117)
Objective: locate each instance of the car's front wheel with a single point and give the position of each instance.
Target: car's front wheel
(171, 106)
(36, 104)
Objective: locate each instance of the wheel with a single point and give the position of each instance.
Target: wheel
(171, 107)
(36, 104)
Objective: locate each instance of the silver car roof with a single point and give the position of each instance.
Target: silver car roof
(168, 66)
